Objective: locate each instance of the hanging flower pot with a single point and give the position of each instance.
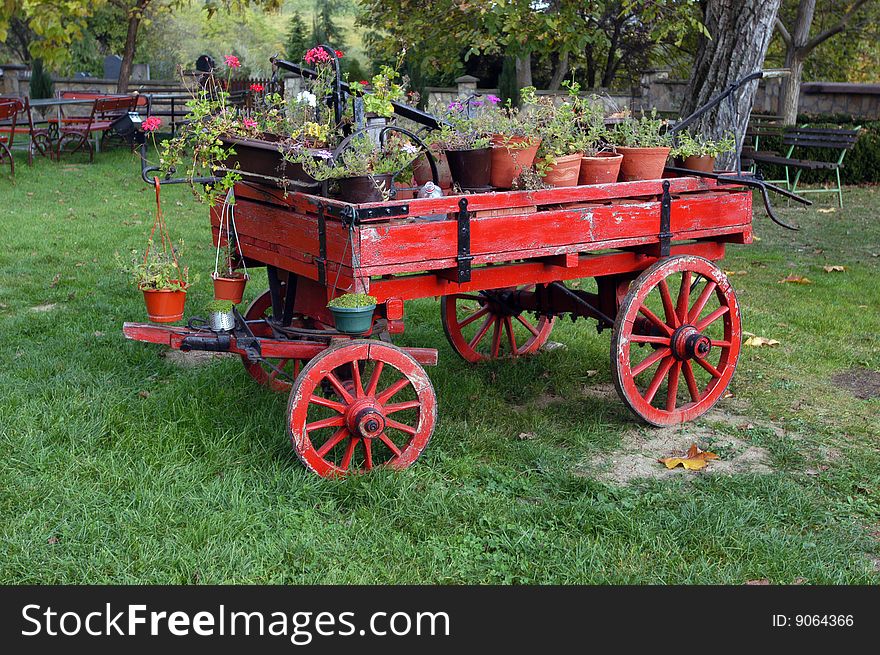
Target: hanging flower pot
(365, 188)
(471, 169)
(510, 157)
(221, 318)
(229, 283)
(353, 312)
(229, 287)
(564, 170)
(642, 163)
(164, 305)
(601, 168)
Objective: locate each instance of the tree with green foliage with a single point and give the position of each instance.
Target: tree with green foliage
(324, 28)
(297, 38)
(41, 82)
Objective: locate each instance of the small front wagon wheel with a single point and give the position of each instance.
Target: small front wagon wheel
(358, 406)
(673, 356)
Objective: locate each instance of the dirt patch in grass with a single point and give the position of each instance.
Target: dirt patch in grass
(193, 358)
(48, 307)
(642, 446)
(863, 383)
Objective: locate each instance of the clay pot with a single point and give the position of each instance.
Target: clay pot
(601, 169)
(364, 188)
(164, 305)
(471, 169)
(565, 171)
(642, 163)
(508, 162)
(229, 288)
(422, 170)
(702, 163)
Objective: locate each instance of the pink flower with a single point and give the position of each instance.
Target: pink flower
(257, 88)
(493, 99)
(249, 123)
(151, 124)
(317, 55)
(232, 61)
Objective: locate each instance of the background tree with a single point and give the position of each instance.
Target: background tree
(298, 41)
(49, 26)
(324, 27)
(740, 32)
(799, 45)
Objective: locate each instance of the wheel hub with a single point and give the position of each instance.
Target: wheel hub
(364, 419)
(687, 343)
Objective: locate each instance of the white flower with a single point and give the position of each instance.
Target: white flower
(410, 148)
(307, 97)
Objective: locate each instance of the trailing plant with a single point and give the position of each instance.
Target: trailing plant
(647, 131)
(353, 300)
(699, 146)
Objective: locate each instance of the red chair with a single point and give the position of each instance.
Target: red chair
(76, 134)
(8, 112)
(23, 123)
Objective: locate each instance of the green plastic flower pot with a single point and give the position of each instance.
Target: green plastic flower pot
(353, 320)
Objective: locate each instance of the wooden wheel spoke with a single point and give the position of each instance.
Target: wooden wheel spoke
(648, 338)
(482, 311)
(337, 385)
(668, 309)
(484, 328)
(672, 387)
(368, 454)
(657, 380)
(718, 343)
(691, 381)
(384, 438)
(511, 337)
(397, 425)
(356, 378)
(349, 452)
(651, 316)
(331, 422)
(496, 338)
(374, 379)
(276, 369)
(711, 318)
(328, 445)
(714, 372)
(390, 392)
(684, 296)
(650, 360)
(326, 402)
(399, 407)
(701, 301)
(469, 296)
(528, 326)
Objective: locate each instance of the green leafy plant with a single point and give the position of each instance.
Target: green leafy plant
(699, 146)
(353, 300)
(219, 306)
(158, 271)
(383, 89)
(363, 156)
(647, 131)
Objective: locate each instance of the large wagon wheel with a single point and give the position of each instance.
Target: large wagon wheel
(485, 326)
(383, 415)
(276, 373)
(673, 357)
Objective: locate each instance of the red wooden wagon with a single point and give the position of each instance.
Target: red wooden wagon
(500, 263)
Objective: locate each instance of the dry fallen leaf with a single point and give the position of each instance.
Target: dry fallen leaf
(729, 273)
(694, 460)
(526, 436)
(55, 281)
(144, 394)
(762, 581)
(796, 279)
(834, 269)
(826, 210)
(757, 342)
(591, 373)
(52, 540)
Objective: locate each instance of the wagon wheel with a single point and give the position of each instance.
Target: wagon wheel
(687, 344)
(383, 415)
(485, 326)
(275, 373)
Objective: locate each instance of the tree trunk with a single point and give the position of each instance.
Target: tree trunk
(795, 55)
(524, 70)
(741, 31)
(134, 22)
(560, 73)
(591, 67)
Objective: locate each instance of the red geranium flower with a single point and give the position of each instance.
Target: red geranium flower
(151, 124)
(339, 54)
(249, 123)
(363, 83)
(232, 61)
(317, 55)
(257, 88)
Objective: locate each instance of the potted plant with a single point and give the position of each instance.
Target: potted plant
(558, 159)
(229, 283)
(600, 163)
(220, 315)
(513, 139)
(464, 142)
(163, 282)
(353, 312)
(698, 153)
(644, 145)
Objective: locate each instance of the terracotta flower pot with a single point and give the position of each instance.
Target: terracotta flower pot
(601, 169)
(702, 163)
(471, 169)
(565, 171)
(364, 188)
(508, 162)
(642, 163)
(422, 170)
(164, 305)
(229, 288)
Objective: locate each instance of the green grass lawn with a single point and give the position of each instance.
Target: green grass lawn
(122, 466)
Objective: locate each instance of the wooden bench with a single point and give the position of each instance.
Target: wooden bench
(76, 134)
(807, 140)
